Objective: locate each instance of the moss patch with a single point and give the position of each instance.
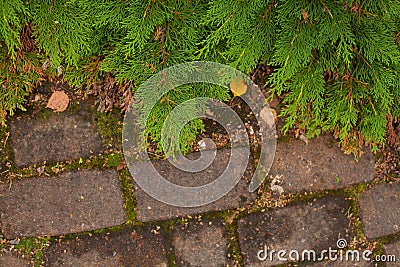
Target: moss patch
(110, 127)
(234, 248)
(129, 198)
(33, 248)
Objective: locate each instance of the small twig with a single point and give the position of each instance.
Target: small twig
(366, 62)
(327, 8)
(255, 72)
(5, 141)
(10, 183)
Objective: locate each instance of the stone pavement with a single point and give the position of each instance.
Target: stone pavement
(201, 244)
(58, 137)
(315, 225)
(9, 259)
(382, 199)
(149, 209)
(89, 215)
(392, 249)
(130, 247)
(71, 202)
(320, 165)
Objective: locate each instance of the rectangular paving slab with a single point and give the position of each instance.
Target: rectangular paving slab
(70, 202)
(392, 254)
(150, 209)
(128, 247)
(11, 259)
(57, 137)
(380, 210)
(320, 165)
(201, 244)
(301, 227)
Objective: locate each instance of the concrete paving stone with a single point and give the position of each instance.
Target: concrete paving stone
(12, 260)
(392, 249)
(128, 247)
(201, 244)
(70, 202)
(380, 210)
(150, 209)
(57, 137)
(320, 165)
(315, 225)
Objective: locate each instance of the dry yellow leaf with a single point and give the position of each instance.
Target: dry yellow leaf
(238, 86)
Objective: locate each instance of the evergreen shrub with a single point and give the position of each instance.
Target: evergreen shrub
(336, 62)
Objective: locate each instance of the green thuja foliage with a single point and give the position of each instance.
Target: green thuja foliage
(12, 18)
(17, 78)
(339, 63)
(157, 35)
(240, 33)
(62, 30)
(17, 71)
(336, 63)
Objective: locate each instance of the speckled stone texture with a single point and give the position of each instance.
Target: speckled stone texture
(129, 247)
(380, 210)
(71, 202)
(309, 226)
(201, 244)
(320, 165)
(57, 137)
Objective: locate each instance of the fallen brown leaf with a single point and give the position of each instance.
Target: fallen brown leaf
(58, 101)
(121, 166)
